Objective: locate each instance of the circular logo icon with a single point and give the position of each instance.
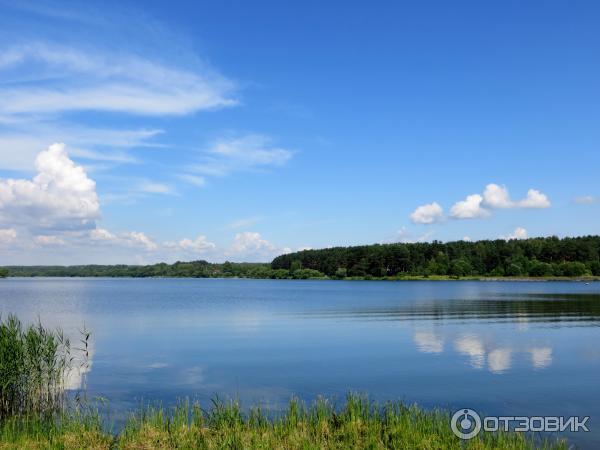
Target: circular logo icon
(465, 423)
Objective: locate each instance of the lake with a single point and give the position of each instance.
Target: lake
(500, 348)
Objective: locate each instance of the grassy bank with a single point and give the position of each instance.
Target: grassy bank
(359, 424)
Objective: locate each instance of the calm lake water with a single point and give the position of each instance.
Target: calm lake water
(501, 348)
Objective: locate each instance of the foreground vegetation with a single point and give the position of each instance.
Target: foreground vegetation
(358, 424)
(33, 366)
(538, 258)
(35, 414)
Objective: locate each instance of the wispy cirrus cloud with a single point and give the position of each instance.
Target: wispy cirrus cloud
(244, 222)
(194, 180)
(245, 153)
(45, 87)
(20, 144)
(154, 187)
(74, 80)
(585, 200)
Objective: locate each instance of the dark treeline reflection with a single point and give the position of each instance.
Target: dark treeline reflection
(551, 308)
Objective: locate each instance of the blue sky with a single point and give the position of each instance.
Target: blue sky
(241, 130)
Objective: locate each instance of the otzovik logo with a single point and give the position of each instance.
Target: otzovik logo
(465, 423)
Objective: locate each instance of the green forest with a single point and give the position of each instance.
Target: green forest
(536, 257)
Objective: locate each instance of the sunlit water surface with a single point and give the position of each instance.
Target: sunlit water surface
(501, 348)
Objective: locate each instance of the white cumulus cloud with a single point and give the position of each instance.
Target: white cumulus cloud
(470, 208)
(101, 234)
(534, 199)
(200, 244)
(427, 214)
(251, 246)
(61, 196)
(495, 196)
(250, 241)
(140, 239)
(519, 233)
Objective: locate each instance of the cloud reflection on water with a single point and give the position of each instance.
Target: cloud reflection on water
(471, 346)
(500, 360)
(482, 352)
(428, 342)
(541, 357)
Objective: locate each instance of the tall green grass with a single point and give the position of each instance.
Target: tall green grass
(358, 424)
(34, 364)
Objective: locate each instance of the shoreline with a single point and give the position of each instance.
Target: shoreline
(586, 279)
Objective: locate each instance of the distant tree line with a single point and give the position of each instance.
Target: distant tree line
(192, 269)
(536, 257)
